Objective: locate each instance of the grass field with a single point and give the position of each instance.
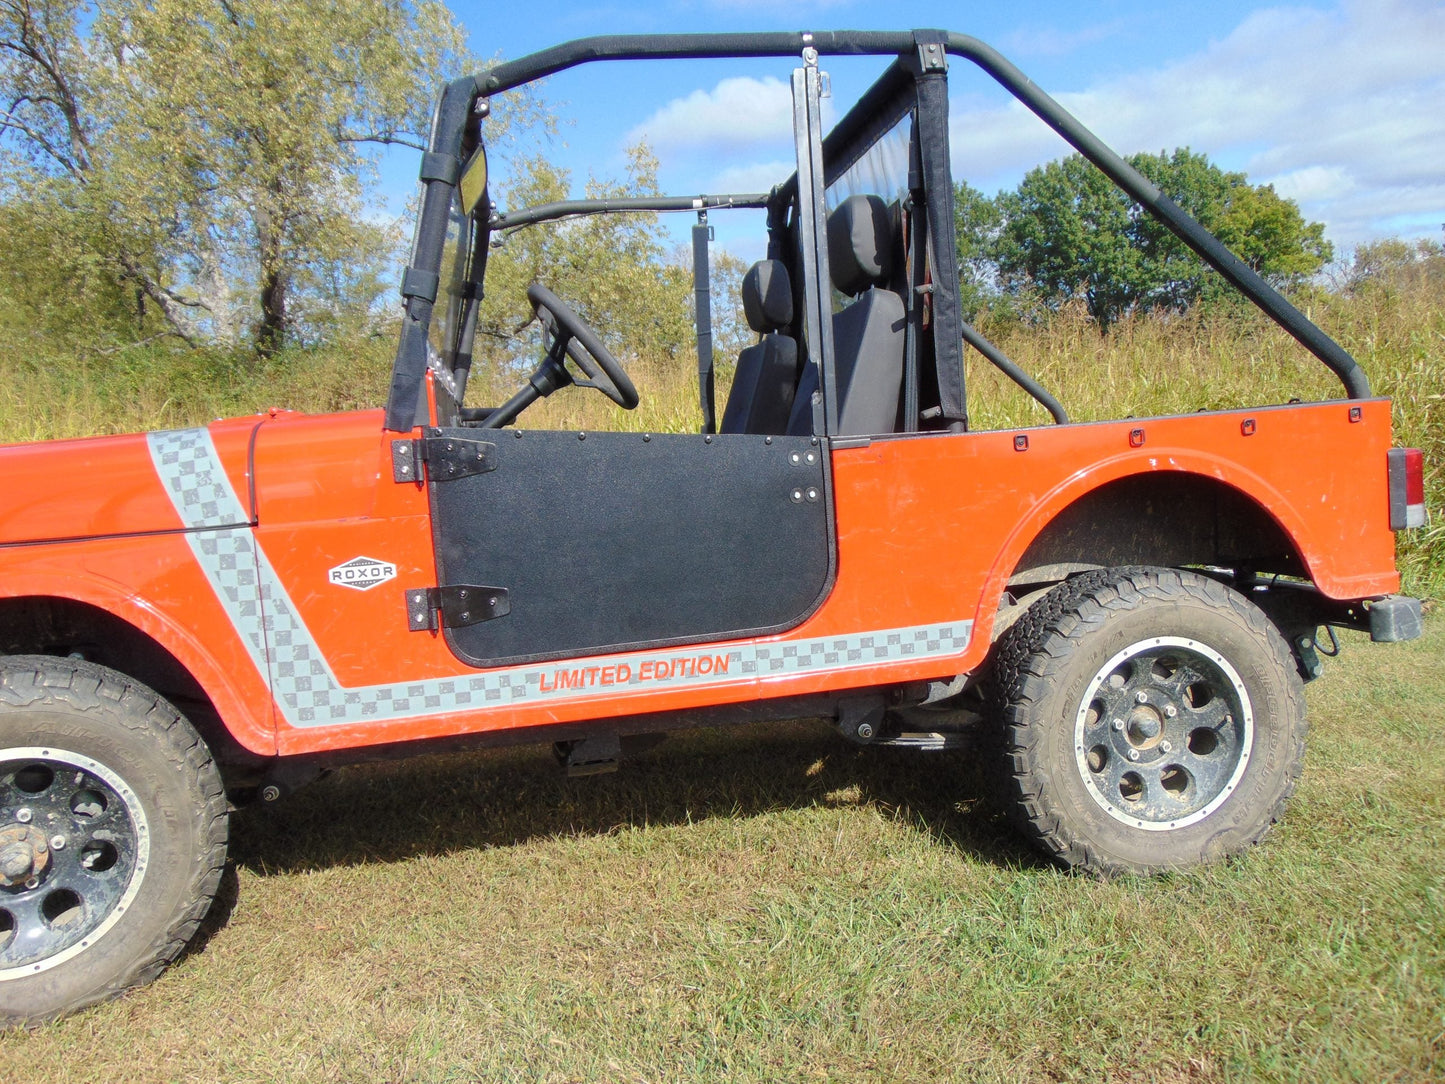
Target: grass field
(769, 904)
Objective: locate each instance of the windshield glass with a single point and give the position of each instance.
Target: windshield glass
(453, 288)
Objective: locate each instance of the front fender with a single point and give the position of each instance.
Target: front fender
(153, 584)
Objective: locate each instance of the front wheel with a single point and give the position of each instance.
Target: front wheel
(1153, 720)
(112, 835)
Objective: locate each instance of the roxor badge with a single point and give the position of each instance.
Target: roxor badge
(362, 573)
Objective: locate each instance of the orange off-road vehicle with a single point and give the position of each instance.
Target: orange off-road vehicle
(1129, 607)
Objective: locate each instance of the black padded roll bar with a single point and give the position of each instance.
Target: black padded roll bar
(884, 42)
(523, 70)
(454, 110)
(1244, 277)
(548, 212)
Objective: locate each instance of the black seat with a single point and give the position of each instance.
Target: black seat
(868, 333)
(761, 398)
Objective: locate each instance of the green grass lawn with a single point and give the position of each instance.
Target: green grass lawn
(769, 904)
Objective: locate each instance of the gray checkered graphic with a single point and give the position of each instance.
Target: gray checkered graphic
(307, 691)
(194, 478)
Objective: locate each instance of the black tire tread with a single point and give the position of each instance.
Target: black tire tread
(28, 680)
(1034, 651)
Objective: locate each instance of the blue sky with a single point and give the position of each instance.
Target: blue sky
(1340, 105)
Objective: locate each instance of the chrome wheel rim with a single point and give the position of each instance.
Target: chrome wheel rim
(74, 845)
(1163, 733)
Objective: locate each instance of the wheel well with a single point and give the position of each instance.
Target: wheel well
(1164, 519)
(64, 627)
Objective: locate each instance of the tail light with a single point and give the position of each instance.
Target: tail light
(1407, 488)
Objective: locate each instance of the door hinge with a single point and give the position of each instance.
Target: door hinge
(454, 606)
(446, 459)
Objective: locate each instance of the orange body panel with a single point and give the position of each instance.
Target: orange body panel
(97, 486)
(153, 582)
(929, 527)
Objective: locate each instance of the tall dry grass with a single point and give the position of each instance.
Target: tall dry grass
(1393, 324)
(1211, 360)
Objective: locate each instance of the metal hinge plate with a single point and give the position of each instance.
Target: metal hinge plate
(932, 55)
(454, 606)
(446, 458)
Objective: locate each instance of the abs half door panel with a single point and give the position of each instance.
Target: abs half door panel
(616, 540)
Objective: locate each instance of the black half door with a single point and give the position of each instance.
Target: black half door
(607, 541)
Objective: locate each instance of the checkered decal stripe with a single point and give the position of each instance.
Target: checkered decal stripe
(308, 693)
(187, 462)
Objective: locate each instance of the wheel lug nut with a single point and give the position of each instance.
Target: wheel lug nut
(1168, 747)
(1118, 724)
(1141, 697)
(1133, 754)
(1170, 711)
(57, 843)
(23, 816)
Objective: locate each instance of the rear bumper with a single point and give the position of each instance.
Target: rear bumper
(1395, 618)
(1300, 608)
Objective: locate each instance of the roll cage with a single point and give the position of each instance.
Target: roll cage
(914, 84)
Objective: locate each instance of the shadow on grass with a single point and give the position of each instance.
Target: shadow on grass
(501, 798)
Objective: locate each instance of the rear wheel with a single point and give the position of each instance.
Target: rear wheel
(112, 835)
(1153, 720)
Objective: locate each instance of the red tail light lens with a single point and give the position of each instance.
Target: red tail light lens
(1414, 476)
(1407, 488)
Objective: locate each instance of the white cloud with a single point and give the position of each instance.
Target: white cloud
(740, 110)
(1341, 108)
(1314, 183)
(1050, 41)
(757, 177)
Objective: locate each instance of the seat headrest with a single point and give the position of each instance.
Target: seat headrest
(860, 244)
(767, 296)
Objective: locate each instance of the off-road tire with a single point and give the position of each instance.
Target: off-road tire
(1059, 653)
(77, 711)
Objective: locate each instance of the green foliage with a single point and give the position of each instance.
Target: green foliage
(1068, 231)
(977, 221)
(1396, 265)
(56, 293)
(213, 155)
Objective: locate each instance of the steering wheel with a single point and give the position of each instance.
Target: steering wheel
(573, 337)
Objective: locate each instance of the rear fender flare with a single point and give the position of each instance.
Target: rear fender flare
(1163, 461)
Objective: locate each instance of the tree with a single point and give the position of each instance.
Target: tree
(1069, 231)
(611, 267)
(1394, 264)
(213, 154)
(1065, 232)
(977, 220)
